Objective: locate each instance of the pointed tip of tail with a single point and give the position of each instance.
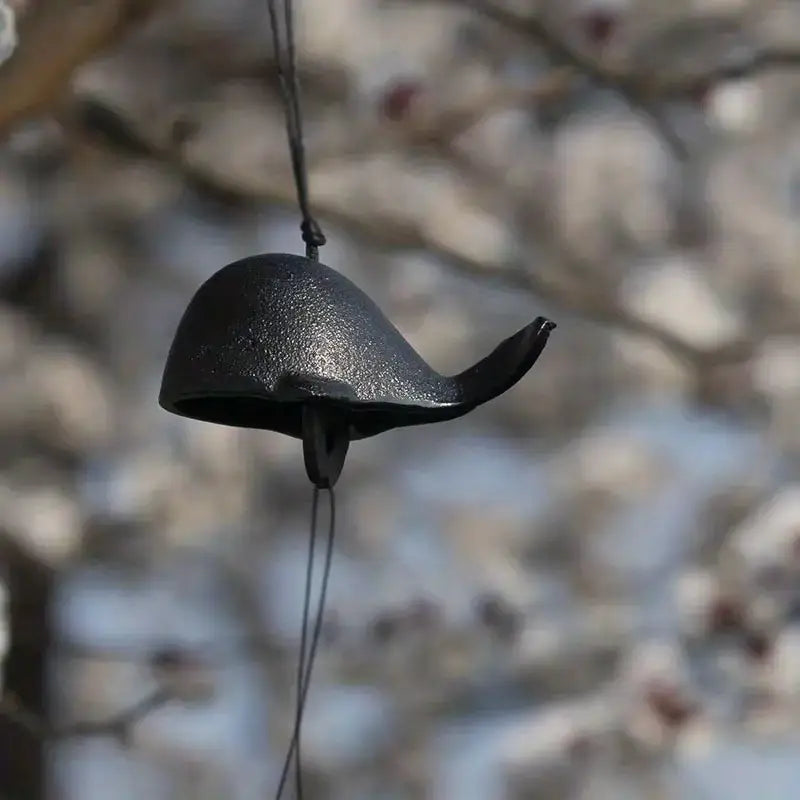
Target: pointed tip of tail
(544, 325)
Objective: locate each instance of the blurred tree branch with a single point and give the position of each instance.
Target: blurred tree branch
(564, 288)
(641, 91)
(746, 66)
(645, 86)
(56, 37)
(562, 52)
(438, 127)
(117, 726)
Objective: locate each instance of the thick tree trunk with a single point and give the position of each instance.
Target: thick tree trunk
(28, 585)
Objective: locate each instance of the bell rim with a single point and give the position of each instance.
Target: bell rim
(409, 413)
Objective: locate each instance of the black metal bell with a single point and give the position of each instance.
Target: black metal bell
(281, 342)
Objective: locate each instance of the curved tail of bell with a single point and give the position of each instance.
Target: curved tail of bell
(505, 365)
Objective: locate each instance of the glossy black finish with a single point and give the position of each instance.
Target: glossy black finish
(270, 334)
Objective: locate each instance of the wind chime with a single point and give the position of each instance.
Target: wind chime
(284, 343)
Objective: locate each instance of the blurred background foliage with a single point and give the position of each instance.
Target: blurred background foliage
(587, 589)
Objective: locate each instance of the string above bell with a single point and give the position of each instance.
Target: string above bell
(286, 67)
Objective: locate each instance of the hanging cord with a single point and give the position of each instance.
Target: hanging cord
(305, 666)
(286, 62)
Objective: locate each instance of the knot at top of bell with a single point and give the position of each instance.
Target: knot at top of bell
(270, 335)
(312, 233)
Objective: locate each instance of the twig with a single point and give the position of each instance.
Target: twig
(211, 653)
(117, 726)
(563, 53)
(14, 712)
(754, 63)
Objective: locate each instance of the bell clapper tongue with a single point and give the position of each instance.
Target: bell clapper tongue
(326, 438)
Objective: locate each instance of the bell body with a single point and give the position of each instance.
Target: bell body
(269, 335)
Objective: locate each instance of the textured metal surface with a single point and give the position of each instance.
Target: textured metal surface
(268, 333)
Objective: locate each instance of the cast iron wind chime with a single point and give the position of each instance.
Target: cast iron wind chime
(284, 343)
